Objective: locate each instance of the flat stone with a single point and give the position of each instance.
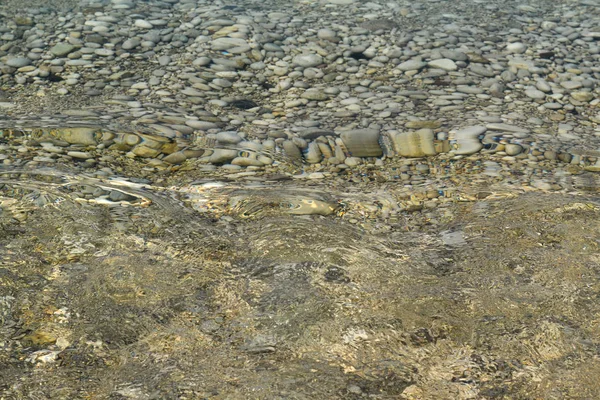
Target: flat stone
(145, 151)
(571, 85)
(584, 97)
(454, 55)
(131, 43)
(192, 92)
(18, 62)
(506, 128)
(227, 43)
(246, 162)
(411, 65)
(62, 49)
(535, 94)
(314, 94)
(444, 63)
(423, 124)
(228, 137)
(307, 60)
(313, 133)
(516, 48)
(220, 156)
(553, 106)
(201, 125)
(543, 86)
(481, 70)
(142, 23)
(471, 131)
(78, 63)
(79, 154)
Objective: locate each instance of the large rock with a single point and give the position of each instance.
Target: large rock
(18, 62)
(62, 49)
(413, 144)
(362, 142)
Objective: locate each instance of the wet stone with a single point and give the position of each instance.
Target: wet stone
(18, 62)
(412, 65)
(307, 60)
(444, 63)
(62, 49)
(80, 154)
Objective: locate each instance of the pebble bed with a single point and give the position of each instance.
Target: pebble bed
(424, 95)
(329, 84)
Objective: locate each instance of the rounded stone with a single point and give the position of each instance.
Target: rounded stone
(62, 49)
(18, 62)
(141, 23)
(175, 158)
(291, 150)
(535, 94)
(513, 149)
(220, 156)
(583, 97)
(246, 162)
(444, 63)
(565, 157)
(328, 34)
(412, 65)
(313, 153)
(550, 155)
(516, 48)
(307, 60)
(228, 137)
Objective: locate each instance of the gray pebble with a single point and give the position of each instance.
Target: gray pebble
(18, 62)
(412, 65)
(307, 60)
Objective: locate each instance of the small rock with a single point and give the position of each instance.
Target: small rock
(314, 94)
(141, 23)
(535, 94)
(228, 137)
(412, 65)
(516, 48)
(584, 97)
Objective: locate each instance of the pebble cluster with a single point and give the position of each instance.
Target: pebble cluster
(330, 86)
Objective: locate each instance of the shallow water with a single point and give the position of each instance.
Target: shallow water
(219, 290)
